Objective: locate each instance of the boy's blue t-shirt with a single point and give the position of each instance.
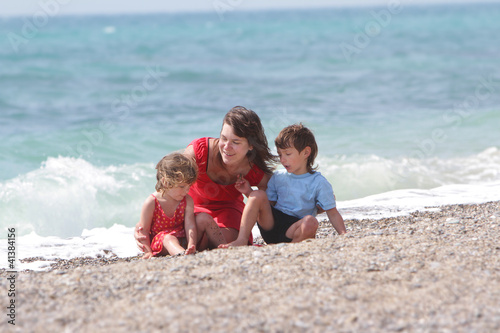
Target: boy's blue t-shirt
(298, 195)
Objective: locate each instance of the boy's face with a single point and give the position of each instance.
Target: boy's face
(293, 161)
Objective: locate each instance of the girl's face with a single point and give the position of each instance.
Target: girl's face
(233, 149)
(178, 192)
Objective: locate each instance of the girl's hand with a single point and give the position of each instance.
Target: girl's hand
(243, 185)
(190, 250)
(147, 255)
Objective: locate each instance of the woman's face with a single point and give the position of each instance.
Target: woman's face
(233, 149)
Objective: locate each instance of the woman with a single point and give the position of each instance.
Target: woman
(240, 151)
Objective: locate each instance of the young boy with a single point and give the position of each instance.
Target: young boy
(287, 213)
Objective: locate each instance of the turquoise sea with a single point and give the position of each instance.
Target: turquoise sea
(404, 104)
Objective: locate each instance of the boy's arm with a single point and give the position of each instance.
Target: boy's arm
(336, 220)
(243, 186)
(144, 225)
(270, 188)
(190, 224)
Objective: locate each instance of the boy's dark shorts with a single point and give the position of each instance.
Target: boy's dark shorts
(277, 234)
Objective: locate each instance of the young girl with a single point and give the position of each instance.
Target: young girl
(167, 216)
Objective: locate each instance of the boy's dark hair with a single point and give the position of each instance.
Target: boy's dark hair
(299, 137)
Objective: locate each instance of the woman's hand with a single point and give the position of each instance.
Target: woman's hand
(243, 185)
(140, 237)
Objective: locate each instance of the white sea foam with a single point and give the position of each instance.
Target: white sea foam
(66, 195)
(355, 177)
(402, 202)
(98, 242)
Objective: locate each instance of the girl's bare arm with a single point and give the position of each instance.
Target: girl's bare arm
(190, 226)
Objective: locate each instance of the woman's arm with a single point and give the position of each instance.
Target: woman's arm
(262, 185)
(144, 226)
(189, 152)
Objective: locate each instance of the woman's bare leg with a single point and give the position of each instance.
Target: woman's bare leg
(209, 233)
(208, 229)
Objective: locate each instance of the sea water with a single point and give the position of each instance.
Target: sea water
(404, 103)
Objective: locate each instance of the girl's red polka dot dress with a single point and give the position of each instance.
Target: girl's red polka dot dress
(163, 225)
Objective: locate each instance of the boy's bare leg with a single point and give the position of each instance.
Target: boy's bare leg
(303, 229)
(256, 209)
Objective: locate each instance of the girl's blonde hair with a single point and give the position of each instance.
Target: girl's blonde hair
(174, 169)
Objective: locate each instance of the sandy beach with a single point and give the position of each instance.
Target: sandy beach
(431, 271)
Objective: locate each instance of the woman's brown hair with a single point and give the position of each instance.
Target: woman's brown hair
(246, 124)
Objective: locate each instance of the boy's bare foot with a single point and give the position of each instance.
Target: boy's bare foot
(190, 250)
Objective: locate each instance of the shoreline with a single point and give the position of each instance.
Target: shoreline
(432, 270)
